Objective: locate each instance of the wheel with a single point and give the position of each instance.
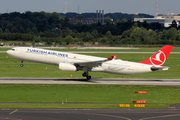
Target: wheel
(84, 74)
(88, 77)
(21, 65)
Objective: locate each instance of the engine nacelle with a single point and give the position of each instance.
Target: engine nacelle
(67, 67)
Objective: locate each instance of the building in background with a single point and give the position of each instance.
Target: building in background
(82, 21)
(88, 21)
(166, 20)
(172, 16)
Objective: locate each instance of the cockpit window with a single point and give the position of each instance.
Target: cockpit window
(13, 49)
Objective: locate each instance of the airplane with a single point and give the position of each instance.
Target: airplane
(74, 62)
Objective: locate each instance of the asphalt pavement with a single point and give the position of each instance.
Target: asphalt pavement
(90, 114)
(173, 112)
(112, 81)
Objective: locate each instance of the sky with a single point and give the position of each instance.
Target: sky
(88, 6)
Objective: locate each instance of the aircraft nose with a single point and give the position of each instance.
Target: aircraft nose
(8, 52)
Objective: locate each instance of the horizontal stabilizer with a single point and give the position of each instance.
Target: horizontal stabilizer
(159, 68)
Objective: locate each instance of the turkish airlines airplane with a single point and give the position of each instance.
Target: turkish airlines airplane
(75, 62)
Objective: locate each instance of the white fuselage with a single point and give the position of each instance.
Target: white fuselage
(57, 57)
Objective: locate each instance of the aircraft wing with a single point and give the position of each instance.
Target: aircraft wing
(91, 64)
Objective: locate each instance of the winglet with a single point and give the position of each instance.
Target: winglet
(159, 57)
(112, 57)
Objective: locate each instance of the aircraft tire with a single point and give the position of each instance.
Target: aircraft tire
(84, 74)
(88, 77)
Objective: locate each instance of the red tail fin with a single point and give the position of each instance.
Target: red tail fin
(159, 57)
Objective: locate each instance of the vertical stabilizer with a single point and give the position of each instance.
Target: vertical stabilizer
(159, 57)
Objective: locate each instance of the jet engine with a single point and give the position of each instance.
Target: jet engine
(67, 67)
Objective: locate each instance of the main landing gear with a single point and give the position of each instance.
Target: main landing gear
(85, 74)
(21, 63)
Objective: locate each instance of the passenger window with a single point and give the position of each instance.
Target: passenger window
(13, 49)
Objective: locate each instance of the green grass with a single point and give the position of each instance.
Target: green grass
(79, 106)
(175, 49)
(10, 67)
(4, 48)
(156, 97)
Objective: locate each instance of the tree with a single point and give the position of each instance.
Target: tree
(68, 40)
(36, 39)
(178, 35)
(56, 15)
(80, 16)
(153, 36)
(33, 44)
(136, 36)
(126, 34)
(108, 34)
(172, 33)
(1, 31)
(88, 37)
(6, 30)
(34, 30)
(49, 42)
(26, 37)
(104, 40)
(165, 35)
(174, 24)
(28, 30)
(107, 19)
(60, 33)
(14, 30)
(156, 26)
(67, 32)
(9, 25)
(21, 30)
(98, 24)
(94, 33)
(54, 18)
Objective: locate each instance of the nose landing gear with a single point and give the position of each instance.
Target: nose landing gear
(21, 63)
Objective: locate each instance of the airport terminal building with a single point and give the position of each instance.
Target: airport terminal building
(162, 19)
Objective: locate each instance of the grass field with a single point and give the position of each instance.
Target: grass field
(175, 49)
(10, 67)
(156, 97)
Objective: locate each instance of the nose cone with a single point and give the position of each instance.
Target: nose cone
(8, 52)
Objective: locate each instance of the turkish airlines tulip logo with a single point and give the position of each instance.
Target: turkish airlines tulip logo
(158, 59)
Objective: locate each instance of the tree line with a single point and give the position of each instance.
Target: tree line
(114, 16)
(52, 28)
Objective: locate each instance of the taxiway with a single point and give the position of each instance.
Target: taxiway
(89, 114)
